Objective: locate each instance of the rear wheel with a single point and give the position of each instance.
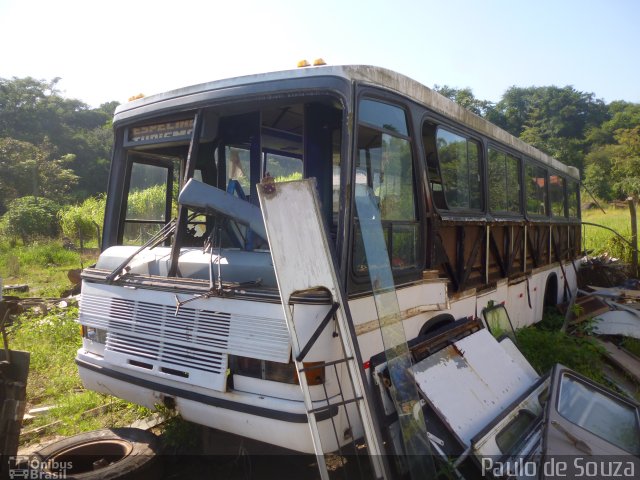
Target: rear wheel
(436, 323)
(109, 454)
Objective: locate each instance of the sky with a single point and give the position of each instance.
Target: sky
(114, 49)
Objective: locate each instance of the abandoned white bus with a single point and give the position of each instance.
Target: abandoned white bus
(193, 319)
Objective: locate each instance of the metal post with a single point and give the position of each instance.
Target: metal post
(181, 224)
(634, 237)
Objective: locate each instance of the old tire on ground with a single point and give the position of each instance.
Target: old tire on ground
(109, 454)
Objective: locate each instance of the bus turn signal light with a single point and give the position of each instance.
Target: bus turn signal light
(314, 371)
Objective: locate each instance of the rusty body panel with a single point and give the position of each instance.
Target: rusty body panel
(473, 253)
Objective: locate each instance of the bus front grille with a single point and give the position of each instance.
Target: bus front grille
(151, 338)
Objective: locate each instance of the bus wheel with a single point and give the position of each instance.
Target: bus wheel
(435, 323)
(109, 454)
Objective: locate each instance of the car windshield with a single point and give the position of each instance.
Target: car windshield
(600, 414)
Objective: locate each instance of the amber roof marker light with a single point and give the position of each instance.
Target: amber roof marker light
(316, 63)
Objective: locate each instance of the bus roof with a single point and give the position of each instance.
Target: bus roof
(362, 74)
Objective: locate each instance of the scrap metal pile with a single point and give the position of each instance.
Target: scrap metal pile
(489, 413)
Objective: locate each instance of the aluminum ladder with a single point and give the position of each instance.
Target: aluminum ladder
(303, 262)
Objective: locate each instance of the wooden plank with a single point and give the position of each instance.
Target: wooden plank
(23, 287)
(430, 274)
(621, 358)
(590, 307)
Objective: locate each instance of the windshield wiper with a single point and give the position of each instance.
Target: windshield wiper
(158, 238)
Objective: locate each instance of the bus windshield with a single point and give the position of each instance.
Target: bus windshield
(236, 150)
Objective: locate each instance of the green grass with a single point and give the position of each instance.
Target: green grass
(75, 410)
(544, 348)
(599, 240)
(632, 344)
(544, 345)
(43, 266)
(53, 339)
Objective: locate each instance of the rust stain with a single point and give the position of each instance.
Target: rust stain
(458, 351)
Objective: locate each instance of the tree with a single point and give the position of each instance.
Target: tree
(512, 111)
(565, 112)
(27, 169)
(555, 120)
(32, 110)
(24, 108)
(92, 150)
(621, 115)
(16, 169)
(85, 220)
(29, 217)
(597, 174)
(465, 98)
(625, 161)
(54, 180)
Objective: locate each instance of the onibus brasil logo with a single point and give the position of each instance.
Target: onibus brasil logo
(32, 467)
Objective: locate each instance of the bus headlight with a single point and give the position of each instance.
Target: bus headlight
(276, 371)
(94, 334)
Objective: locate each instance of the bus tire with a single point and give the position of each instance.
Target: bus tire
(435, 323)
(108, 454)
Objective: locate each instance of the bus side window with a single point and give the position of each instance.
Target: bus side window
(572, 198)
(504, 182)
(536, 179)
(150, 201)
(556, 195)
(459, 163)
(433, 166)
(384, 163)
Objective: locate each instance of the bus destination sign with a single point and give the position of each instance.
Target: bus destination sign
(161, 132)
